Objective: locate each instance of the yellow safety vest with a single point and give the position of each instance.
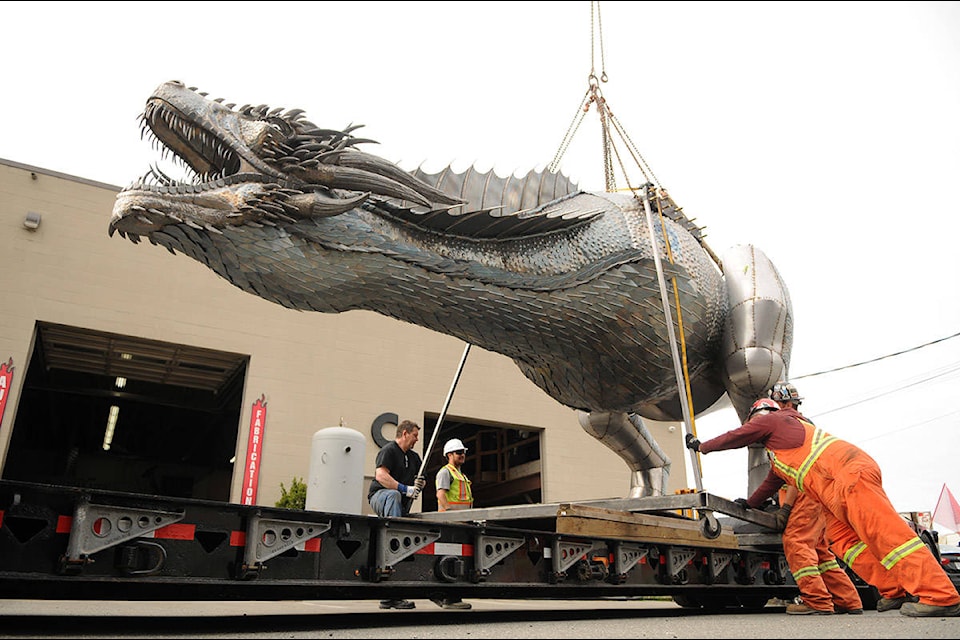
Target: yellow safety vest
(460, 493)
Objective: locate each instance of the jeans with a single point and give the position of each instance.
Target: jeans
(387, 503)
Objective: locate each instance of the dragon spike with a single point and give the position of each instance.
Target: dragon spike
(370, 163)
(354, 179)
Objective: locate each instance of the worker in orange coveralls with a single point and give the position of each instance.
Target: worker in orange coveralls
(825, 588)
(864, 527)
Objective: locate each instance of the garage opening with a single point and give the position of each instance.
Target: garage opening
(503, 461)
(123, 413)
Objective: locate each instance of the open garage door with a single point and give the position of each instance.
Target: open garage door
(503, 461)
(118, 412)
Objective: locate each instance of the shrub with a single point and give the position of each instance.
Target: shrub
(296, 497)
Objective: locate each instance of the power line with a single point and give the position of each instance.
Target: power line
(885, 393)
(910, 426)
(890, 355)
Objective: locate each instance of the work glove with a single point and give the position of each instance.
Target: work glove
(410, 492)
(692, 442)
(420, 482)
(783, 514)
(742, 502)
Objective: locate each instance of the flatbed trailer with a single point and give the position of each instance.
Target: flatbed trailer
(68, 543)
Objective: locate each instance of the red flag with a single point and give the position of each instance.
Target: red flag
(947, 512)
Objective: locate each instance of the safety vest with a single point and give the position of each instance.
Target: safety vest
(460, 493)
(793, 465)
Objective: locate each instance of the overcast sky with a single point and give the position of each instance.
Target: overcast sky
(827, 134)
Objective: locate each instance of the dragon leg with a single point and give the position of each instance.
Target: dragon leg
(629, 438)
(757, 337)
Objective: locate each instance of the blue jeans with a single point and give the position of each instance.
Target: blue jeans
(387, 503)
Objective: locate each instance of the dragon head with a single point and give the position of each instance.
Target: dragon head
(253, 165)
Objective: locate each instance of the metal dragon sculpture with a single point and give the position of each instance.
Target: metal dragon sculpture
(560, 280)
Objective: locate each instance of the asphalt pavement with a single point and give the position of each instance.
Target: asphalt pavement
(489, 618)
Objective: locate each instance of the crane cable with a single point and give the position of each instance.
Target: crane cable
(609, 124)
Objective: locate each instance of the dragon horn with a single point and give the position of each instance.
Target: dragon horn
(318, 206)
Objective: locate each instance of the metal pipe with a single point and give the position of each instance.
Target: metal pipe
(443, 412)
(681, 387)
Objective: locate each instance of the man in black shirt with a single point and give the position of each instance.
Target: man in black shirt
(396, 485)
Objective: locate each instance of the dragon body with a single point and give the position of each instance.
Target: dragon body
(560, 280)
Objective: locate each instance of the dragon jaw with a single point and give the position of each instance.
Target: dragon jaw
(253, 165)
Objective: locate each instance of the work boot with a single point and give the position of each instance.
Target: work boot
(888, 604)
(397, 604)
(446, 603)
(804, 609)
(853, 612)
(920, 610)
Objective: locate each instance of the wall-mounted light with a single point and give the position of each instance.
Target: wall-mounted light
(120, 382)
(111, 426)
(32, 221)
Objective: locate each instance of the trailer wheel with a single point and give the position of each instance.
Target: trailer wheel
(688, 601)
(753, 602)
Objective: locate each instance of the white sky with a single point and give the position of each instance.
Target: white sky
(827, 134)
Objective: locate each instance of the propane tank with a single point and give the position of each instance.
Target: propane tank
(336, 471)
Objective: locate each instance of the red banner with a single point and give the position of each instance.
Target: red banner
(6, 381)
(258, 422)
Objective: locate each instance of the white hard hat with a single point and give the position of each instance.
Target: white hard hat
(454, 444)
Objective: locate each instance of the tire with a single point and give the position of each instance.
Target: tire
(688, 601)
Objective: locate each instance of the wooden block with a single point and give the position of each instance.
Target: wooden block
(593, 522)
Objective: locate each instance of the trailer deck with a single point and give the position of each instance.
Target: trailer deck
(74, 543)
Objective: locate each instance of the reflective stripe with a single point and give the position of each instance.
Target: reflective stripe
(806, 572)
(820, 441)
(901, 552)
(829, 565)
(851, 555)
(789, 472)
(459, 491)
(815, 570)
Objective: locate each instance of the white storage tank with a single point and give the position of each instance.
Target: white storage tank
(336, 471)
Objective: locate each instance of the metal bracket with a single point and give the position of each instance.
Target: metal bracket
(97, 527)
(678, 557)
(268, 538)
(489, 550)
(751, 564)
(626, 555)
(567, 552)
(717, 561)
(784, 569)
(396, 542)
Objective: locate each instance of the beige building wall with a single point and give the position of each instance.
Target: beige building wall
(314, 370)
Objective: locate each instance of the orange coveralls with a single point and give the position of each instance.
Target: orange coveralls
(823, 584)
(862, 524)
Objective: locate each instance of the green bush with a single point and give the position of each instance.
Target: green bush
(296, 497)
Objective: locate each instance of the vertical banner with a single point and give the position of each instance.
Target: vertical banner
(258, 422)
(6, 381)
